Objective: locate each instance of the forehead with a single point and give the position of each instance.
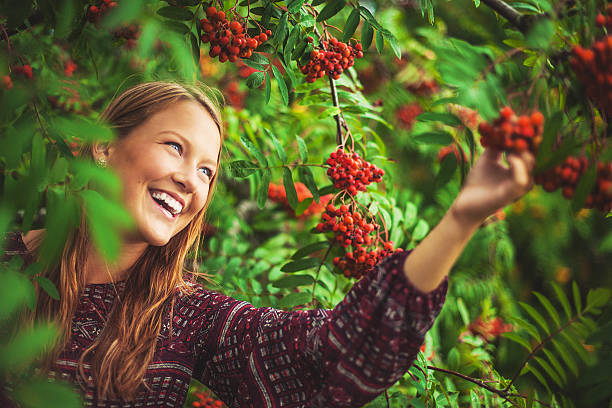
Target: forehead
(188, 120)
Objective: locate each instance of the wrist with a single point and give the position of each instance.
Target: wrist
(462, 219)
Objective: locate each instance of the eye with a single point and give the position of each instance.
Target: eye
(175, 146)
(207, 172)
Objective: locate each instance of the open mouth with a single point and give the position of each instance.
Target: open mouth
(169, 206)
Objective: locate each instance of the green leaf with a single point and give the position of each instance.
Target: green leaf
(26, 346)
(294, 6)
(255, 79)
(282, 86)
(524, 324)
(242, 168)
(293, 281)
(380, 42)
(306, 177)
(280, 151)
(290, 188)
(351, 25)
(437, 137)
(331, 9)
(294, 299)
(553, 125)
(13, 292)
(291, 41)
(549, 370)
(563, 300)
(517, 339)
(301, 264)
(309, 249)
(541, 34)
(549, 308)
(47, 286)
(421, 230)
(367, 33)
(448, 166)
(535, 315)
(554, 362)
(443, 117)
(281, 30)
(410, 215)
(59, 171)
(393, 42)
(254, 150)
(577, 298)
(303, 206)
(262, 192)
(267, 87)
(566, 356)
(538, 375)
(303, 149)
(463, 312)
(36, 393)
(584, 187)
(597, 298)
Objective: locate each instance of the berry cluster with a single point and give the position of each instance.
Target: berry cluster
(469, 117)
(511, 133)
(350, 172)
(333, 59)
(423, 88)
(593, 69)
(69, 67)
(406, 114)
(566, 176)
(277, 194)
(24, 70)
(129, 33)
(605, 20)
(205, 400)
(228, 40)
(352, 229)
(489, 329)
(95, 13)
(6, 83)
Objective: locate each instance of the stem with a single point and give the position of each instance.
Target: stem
(505, 10)
(334, 93)
(314, 285)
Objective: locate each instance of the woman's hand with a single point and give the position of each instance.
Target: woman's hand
(491, 185)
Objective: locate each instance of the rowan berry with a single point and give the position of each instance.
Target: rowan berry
(331, 59)
(511, 133)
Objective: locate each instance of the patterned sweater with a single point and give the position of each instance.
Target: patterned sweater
(264, 357)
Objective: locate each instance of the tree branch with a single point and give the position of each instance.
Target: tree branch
(334, 94)
(505, 10)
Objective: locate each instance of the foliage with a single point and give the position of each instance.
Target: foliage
(423, 84)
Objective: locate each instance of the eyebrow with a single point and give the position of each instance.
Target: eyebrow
(214, 163)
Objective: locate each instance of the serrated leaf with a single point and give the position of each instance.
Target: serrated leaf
(393, 42)
(281, 30)
(577, 298)
(301, 264)
(47, 286)
(255, 79)
(282, 86)
(306, 177)
(549, 370)
(367, 33)
(309, 249)
(254, 150)
(517, 339)
(443, 117)
(175, 13)
(262, 192)
(331, 9)
(280, 151)
(535, 315)
(563, 300)
(294, 299)
(290, 188)
(554, 362)
(437, 137)
(549, 308)
(302, 149)
(293, 281)
(291, 41)
(242, 168)
(421, 230)
(351, 25)
(380, 42)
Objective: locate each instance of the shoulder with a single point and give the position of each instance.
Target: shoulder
(193, 295)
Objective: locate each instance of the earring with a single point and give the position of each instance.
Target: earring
(101, 162)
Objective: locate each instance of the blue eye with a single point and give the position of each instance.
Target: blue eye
(175, 146)
(206, 171)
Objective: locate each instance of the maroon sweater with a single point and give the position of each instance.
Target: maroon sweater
(264, 357)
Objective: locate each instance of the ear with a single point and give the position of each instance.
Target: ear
(101, 151)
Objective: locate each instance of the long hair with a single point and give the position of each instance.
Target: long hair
(125, 347)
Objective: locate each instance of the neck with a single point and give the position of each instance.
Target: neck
(100, 270)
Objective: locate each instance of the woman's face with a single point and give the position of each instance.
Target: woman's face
(166, 166)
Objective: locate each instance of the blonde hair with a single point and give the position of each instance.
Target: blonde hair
(126, 345)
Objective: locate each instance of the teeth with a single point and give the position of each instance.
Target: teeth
(174, 205)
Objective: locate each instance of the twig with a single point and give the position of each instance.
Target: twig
(314, 284)
(505, 10)
(334, 94)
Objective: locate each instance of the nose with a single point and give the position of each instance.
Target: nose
(186, 179)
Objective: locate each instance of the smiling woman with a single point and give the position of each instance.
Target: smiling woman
(135, 332)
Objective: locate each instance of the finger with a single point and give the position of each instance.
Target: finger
(520, 168)
(492, 154)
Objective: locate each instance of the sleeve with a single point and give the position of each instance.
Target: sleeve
(344, 357)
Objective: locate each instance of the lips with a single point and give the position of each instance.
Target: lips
(171, 204)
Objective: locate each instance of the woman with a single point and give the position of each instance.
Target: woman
(135, 332)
